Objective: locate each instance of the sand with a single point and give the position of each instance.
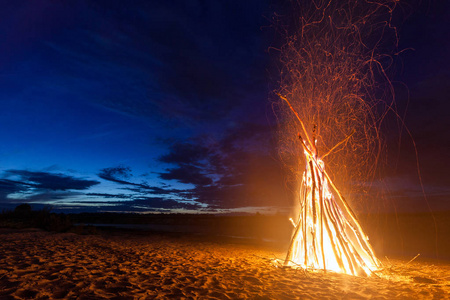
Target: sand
(36, 264)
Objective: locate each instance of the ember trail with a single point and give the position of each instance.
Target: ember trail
(334, 86)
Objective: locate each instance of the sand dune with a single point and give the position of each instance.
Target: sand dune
(42, 265)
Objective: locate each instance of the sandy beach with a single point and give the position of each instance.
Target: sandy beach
(35, 264)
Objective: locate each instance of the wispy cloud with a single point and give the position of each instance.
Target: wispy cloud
(18, 186)
(50, 181)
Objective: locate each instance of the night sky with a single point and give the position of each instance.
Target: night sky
(165, 106)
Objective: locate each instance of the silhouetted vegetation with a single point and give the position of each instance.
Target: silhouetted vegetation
(24, 217)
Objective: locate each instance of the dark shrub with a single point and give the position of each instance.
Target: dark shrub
(23, 210)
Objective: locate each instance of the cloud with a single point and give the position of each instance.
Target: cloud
(185, 153)
(119, 174)
(238, 170)
(10, 187)
(17, 186)
(51, 197)
(157, 202)
(164, 191)
(50, 181)
(187, 174)
(114, 174)
(109, 196)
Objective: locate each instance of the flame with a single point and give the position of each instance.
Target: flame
(327, 236)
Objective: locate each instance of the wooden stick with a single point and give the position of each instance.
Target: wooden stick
(412, 259)
(304, 227)
(313, 205)
(321, 220)
(331, 237)
(291, 246)
(353, 216)
(298, 118)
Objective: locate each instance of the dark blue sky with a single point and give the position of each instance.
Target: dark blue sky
(164, 106)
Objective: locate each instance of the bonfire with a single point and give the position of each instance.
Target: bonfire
(335, 94)
(327, 234)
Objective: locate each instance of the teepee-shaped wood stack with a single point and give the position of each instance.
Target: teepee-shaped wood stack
(327, 234)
